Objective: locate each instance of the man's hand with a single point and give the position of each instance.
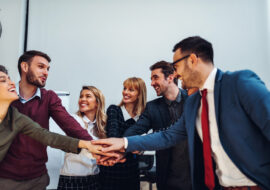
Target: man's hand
(111, 144)
(96, 149)
(110, 161)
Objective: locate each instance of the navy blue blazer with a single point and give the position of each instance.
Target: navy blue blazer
(242, 105)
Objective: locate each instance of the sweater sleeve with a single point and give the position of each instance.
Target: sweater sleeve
(66, 122)
(113, 125)
(42, 135)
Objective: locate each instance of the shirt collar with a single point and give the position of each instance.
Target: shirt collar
(126, 114)
(22, 100)
(210, 81)
(88, 121)
(178, 98)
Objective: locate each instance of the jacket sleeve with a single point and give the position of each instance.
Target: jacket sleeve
(64, 120)
(143, 125)
(42, 135)
(113, 127)
(159, 140)
(255, 98)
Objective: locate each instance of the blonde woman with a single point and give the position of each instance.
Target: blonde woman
(126, 175)
(81, 171)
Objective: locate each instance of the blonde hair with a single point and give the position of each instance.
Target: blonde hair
(139, 85)
(101, 117)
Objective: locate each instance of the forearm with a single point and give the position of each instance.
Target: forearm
(159, 140)
(67, 144)
(136, 130)
(71, 127)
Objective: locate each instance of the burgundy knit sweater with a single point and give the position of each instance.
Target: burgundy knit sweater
(26, 157)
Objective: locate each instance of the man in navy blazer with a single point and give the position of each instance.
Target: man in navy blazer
(239, 122)
(172, 164)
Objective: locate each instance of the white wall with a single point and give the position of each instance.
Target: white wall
(102, 43)
(268, 33)
(12, 17)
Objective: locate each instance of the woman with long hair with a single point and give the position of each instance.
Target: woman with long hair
(124, 176)
(80, 171)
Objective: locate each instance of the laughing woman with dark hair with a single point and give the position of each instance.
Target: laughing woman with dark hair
(13, 122)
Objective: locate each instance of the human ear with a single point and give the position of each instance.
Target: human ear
(194, 59)
(171, 77)
(24, 66)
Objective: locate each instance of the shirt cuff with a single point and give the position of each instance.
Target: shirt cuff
(126, 143)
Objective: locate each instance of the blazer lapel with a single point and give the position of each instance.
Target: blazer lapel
(217, 94)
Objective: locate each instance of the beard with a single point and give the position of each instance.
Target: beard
(192, 79)
(32, 79)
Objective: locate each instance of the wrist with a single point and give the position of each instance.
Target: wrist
(82, 144)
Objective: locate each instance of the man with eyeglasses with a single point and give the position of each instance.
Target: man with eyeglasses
(227, 123)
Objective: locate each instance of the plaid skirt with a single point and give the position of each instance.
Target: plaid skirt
(90, 182)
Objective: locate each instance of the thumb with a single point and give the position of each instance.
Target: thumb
(101, 142)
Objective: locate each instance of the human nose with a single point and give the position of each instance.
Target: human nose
(152, 82)
(82, 98)
(12, 83)
(46, 72)
(125, 91)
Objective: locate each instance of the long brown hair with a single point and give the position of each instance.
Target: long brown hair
(138, 84)
(101, 117)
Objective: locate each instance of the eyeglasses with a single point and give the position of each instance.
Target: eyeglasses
(178, 60)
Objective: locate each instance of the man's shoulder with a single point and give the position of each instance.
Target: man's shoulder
(238, 74)
(48, 95)
(156, 101)
(47, 92)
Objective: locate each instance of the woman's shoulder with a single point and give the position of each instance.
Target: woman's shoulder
(113, 107)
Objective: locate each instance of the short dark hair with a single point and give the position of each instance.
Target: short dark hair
(3, 69)
(195, 44)
(28, 57)
(166, 68)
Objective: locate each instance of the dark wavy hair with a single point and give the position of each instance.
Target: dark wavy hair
(3, 69)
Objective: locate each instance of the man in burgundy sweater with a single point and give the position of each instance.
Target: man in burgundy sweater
(24, 166)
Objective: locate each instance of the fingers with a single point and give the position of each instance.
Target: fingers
(96, 156)
(101, 142)
(110, 161)
(122, 160)
(106, 161)
(108, 149)
(109, 154)
(110, 144)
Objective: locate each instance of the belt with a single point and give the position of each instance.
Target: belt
(242, 188)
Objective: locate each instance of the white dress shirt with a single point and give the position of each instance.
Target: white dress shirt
(82, 164)
(228, 174)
